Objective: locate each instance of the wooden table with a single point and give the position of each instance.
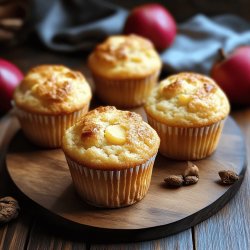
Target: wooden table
(228, 229)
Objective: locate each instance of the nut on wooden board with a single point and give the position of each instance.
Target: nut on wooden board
(189, 177)
(174, 180)
(191, 170)
(228, 177)
(190, 180)
(9, 209)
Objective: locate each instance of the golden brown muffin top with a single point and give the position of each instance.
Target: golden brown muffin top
(52, 89)
(108, 138)
(187, 99)
(124, 56)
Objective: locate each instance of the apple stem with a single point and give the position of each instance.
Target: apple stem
(222, 54)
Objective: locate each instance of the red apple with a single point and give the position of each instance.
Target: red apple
(154, 22)
(10, 77)
(232, 73)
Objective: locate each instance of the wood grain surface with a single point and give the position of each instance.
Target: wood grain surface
(14, 234)
(181, 241)
(41, 238)
(43, 176)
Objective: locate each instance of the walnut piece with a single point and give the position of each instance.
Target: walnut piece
(191, 170)
(228, 177)
(189, 177)
(174, 180)
(190, 180)
(9, 209)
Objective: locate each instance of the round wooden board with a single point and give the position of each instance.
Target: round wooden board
(43, 176)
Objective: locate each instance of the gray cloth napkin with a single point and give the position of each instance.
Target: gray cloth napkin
(80, 24)
(199, 39)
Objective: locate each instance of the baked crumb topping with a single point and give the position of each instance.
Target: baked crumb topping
(52, 88)
(124, 56)
(110, 137)
(121, 48)
(186, 99)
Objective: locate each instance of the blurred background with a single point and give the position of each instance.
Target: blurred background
(18, 18)
(183, 9)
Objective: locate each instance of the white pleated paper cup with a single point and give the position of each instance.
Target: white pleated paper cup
(125, 93)
(182, 143)
(47, 130)
(111, 189)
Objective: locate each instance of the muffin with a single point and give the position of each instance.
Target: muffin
(125, 69)
(188, 111)
(50, 99)
(110, 154)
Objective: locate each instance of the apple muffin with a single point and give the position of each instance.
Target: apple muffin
(110, 154)
(50, 99)
(125, 68)
(188, 111)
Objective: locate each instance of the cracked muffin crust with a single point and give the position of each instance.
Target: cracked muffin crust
(108, 138)
(123, 57)
(187, 99)
(52, 89)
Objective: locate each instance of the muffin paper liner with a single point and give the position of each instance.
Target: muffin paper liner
(187, 143)
(111, 189)
(47, 130)
(127, 92)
